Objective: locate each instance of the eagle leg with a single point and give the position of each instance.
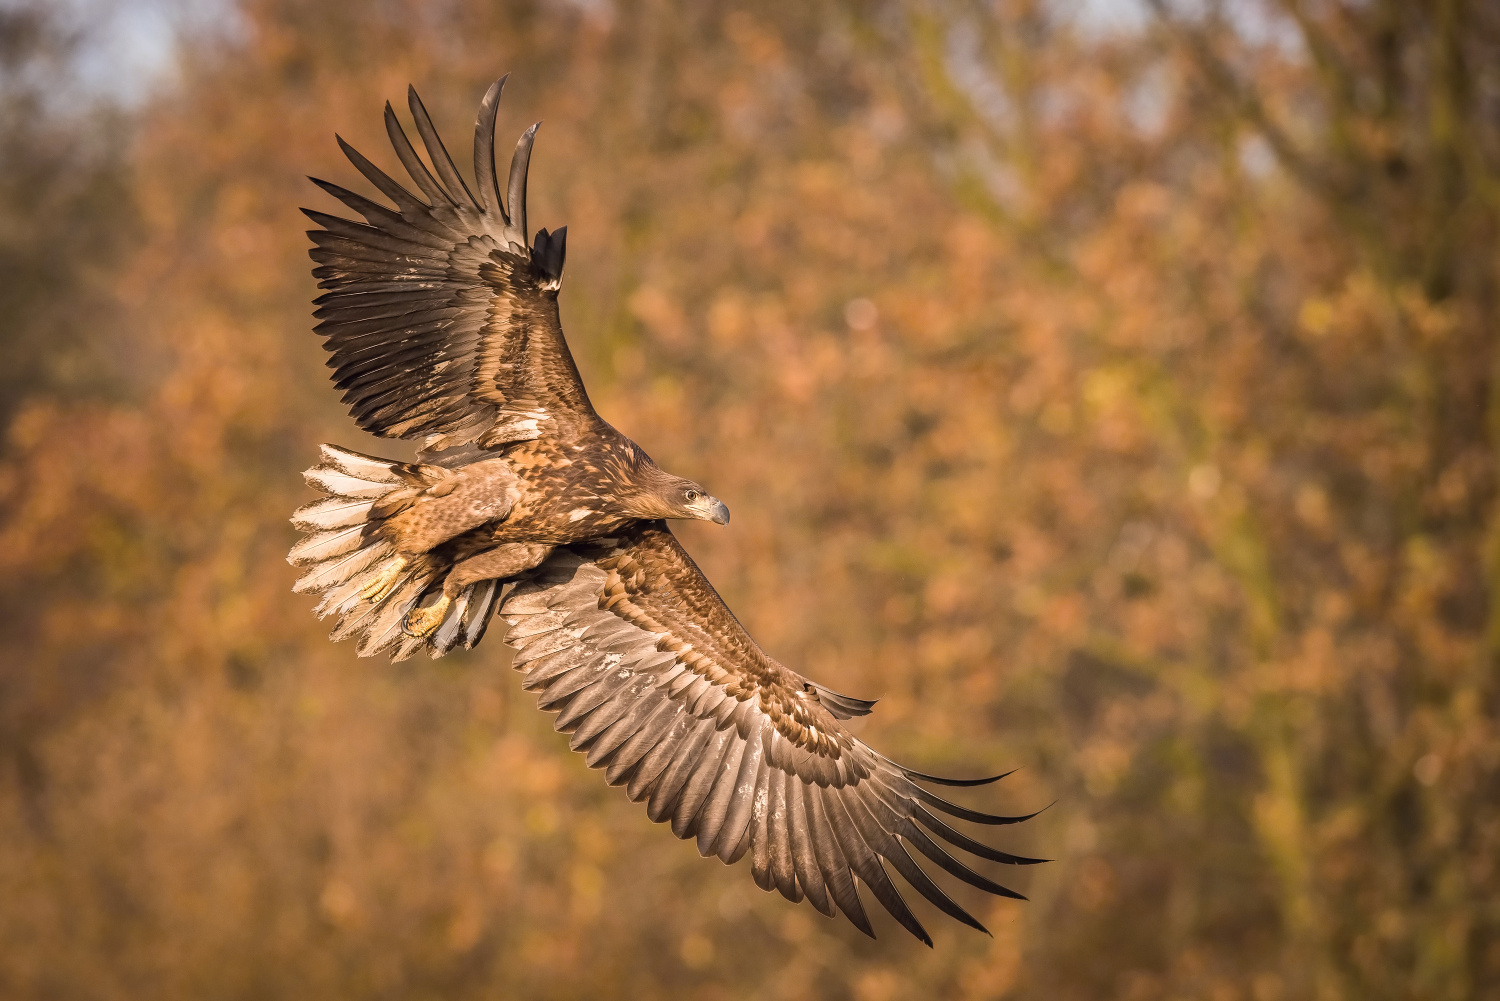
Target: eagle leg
(420, 621)
(376, 590)
(500, 563)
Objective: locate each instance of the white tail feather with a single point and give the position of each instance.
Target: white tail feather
(341, 484)
(343, 564)
(359, 465)
(331, 512)
(325, 545)
(340, 568)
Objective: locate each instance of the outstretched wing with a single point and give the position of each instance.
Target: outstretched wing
(662, 687)
(439, 321)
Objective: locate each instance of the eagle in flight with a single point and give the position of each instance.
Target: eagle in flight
(440, 320)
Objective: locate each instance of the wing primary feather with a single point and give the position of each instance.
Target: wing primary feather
(916, 836)
(516, 189)
(831, 862)
(437, 153)
(960, 840)
(486, 181)
(705, 760)
(405, 200)
(866, 864)
(939, 780)
(890, 848)
(913, 874)
(437, 244)
(413, 163)
(359, 203)
(397, 230)
(378, 215)
(963, 813)
(362, 231)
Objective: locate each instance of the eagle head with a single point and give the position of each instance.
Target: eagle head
(659, 494)
(695, 502)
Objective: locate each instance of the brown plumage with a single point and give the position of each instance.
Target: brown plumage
(442, 328)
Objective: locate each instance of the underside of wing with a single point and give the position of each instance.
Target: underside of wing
(660, 686)
(440, 321)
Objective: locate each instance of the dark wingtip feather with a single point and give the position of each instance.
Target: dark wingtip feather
(963, 813)
(515, 194)
(487, 184)
(958, 839)
(342, 193)
(863, 924)
(411, 161)
(458, 189)
(965, 783)
(405, 201)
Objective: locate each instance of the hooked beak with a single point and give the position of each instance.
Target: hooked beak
(712, 509)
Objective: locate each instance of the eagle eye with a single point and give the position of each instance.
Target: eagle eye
(691, 496)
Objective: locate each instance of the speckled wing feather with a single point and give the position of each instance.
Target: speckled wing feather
(662, 687)
(441, 323)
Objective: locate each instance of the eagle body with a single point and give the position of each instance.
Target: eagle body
(573, 492)
(523, 505)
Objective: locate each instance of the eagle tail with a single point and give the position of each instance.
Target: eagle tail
(360, 575)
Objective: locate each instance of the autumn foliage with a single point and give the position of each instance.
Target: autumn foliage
(1115, 400)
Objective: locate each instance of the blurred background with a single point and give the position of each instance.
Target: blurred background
(1108, 386)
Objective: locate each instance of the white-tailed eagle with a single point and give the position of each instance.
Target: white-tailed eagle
(440, 319)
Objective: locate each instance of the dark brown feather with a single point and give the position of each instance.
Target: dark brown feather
(664, 688)
(464, 344)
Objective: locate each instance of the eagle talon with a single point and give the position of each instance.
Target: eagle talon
(421, 622)
(375, 591)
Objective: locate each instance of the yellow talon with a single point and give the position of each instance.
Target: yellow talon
(375, 591)
(421, 622)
